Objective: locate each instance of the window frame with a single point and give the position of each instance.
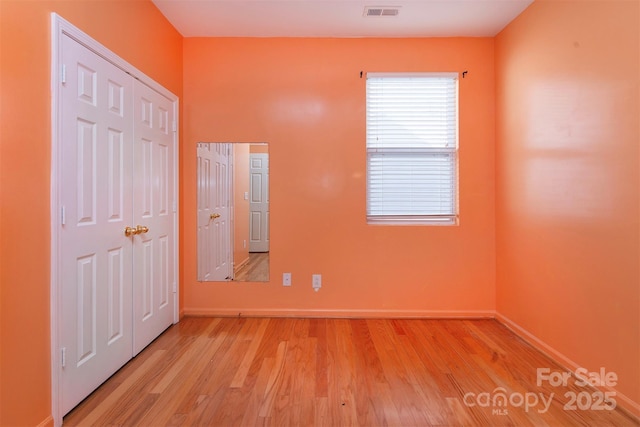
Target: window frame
(426, 153)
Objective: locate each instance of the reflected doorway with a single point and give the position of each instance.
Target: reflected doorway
(233, 212)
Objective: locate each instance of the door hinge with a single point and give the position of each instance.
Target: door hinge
(174, 207)
(175, 288)
(174, 126)
(63, 216)
(63, 356)
(63, 74)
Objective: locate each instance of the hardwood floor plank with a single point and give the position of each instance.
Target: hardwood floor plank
(304, 388)
(368, 372)
(169, 403)
(256, 393)
(179, 366)
(341, 396)
(273, 383)
(385, 400)
(135, 415)
(398, 377)
(435, 409)
(336, 372)
(318, 330)
(124, 388)
(215, 381)
(436, 354)
(230, 411)
(321, 412)
(256, 339)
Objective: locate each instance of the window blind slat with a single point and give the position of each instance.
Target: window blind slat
(412, 149)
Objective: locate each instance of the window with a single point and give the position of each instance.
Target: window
(412, 148)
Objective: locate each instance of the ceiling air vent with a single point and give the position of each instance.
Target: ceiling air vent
(381, 10)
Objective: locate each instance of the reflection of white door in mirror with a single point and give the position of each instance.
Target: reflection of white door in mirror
(233, 211)
(259, 206)
(214, 224)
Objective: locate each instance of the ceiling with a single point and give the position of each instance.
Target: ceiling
(341, 18)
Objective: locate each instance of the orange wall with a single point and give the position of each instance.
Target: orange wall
(568, 230)
(306, 99)
(136, 31)
(241, 206)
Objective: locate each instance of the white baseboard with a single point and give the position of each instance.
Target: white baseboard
(624, 402)
(347, 314)
(47, 422)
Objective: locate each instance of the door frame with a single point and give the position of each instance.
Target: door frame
(59, 27)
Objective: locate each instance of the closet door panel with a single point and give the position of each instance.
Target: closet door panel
(153, 211)
(95, 199)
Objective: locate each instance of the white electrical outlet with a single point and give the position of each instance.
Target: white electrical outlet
(316, 281)
(286, 279)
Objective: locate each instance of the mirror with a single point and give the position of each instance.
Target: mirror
(233, 212)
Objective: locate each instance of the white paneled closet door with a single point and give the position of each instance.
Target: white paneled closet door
(153, 251)
(96, 196)
(116, 237)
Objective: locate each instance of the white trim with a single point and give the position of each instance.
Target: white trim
(60, 26)
(342, 314)
(176, 204)
(624, 402)
(54, 294)
(46, 422)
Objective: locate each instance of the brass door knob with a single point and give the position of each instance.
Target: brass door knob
(214, 216)
(130, 231)
(140, 229)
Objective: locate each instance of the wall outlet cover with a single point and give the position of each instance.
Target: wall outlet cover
(286, 279)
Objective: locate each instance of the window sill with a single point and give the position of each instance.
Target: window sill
(413, 220)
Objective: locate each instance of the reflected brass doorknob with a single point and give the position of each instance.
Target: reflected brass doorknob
(141, 229)
(214, 216)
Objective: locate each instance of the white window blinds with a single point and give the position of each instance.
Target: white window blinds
(412, 148)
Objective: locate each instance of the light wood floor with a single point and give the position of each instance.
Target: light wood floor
(256, 270)
(332, 372)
